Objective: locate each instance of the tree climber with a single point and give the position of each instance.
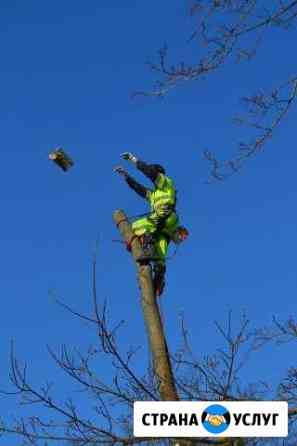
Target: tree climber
(161, 225)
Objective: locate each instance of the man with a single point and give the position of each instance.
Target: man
(161, 225)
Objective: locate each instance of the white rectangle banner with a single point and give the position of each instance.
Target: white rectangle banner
(210, 419)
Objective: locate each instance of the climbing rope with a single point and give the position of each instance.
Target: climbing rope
(128, 245)
(170, 257)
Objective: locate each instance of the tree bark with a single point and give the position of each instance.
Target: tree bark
(158, 345)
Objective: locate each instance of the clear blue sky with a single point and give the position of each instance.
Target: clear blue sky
(67, 70)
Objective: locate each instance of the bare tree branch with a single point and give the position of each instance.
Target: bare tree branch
(225, 28)
(265, 114)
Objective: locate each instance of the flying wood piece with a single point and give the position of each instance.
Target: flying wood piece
(61, 159)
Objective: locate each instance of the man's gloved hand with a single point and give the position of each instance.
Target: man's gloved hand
(121, 171)
(129, 157)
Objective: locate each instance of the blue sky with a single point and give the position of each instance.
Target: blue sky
(67, 71)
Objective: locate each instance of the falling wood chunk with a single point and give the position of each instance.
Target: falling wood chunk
(61, 159)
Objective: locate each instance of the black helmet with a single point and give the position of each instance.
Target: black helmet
(159, 168)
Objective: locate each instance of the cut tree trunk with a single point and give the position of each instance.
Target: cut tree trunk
(158, 345)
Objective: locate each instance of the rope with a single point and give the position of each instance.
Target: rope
(129, 244)
(121, 221)
(171, 257)
(134, 217)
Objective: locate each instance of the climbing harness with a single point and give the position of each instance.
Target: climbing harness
(180, 235)
(130, 242)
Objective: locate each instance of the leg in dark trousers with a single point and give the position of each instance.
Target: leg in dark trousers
(159, 271)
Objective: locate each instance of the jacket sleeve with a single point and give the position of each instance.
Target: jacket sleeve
(148, 170)
(138, 188)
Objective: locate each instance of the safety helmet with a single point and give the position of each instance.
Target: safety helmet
(159, 168)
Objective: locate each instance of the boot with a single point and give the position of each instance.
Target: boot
(159, 278)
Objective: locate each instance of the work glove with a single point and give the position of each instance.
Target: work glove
(128, 156)
(121, 171)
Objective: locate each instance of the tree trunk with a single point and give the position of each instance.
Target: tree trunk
(154, 326)
(158, 345)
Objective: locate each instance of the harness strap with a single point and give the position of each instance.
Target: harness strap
(129, 243)
(121, 221)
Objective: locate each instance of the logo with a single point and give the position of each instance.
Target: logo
(216, 419)
(197, 419)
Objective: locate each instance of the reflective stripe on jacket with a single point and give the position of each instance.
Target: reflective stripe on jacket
(163, 197)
